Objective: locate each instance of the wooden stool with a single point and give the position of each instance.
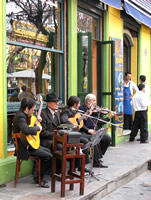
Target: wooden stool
(16, 136)
(67, 154)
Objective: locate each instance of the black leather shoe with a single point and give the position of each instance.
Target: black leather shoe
(44, 184)
(35, 178)
(95, 164)
(146, 141)
(131, 139)
(103, 166)
(99, 165)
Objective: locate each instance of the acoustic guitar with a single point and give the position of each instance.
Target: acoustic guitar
(77, 120)
(32, 140)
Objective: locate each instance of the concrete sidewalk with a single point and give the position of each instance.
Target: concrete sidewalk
(126, 161)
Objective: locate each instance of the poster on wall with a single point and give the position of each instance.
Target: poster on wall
(118, 80)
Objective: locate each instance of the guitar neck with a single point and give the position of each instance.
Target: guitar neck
(39, 112)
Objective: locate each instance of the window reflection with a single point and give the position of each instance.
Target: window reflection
(38, 23)
(21, 66)
(85, 63)
(34, 22)
(87, 23)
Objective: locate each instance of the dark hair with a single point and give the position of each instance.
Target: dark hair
(142, 78)
(17, 89)
(24, 88)
(141, 86)
(126, 73)
(73, 100)
(27, 103)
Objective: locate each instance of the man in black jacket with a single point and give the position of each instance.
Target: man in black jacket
(69, 113)
(91, 125)
(21, 124)
(50, 120)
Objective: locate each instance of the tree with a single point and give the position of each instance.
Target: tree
(40, 13)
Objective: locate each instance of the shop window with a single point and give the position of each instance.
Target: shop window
(87, 23)
(34, 50)
(34, 23)
(21, 67)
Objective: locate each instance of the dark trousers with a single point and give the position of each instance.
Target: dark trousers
(101, 147)
(48, 144)
(128, 122)
(140, 122)
(45, 155)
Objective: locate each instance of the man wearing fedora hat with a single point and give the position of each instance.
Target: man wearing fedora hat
(50, 120)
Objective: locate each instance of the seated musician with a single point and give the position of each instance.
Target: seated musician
(91, 125)
(67, 117)
(50, 122)
(21, 123)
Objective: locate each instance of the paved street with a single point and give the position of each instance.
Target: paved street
(126, 161)
(138, 189)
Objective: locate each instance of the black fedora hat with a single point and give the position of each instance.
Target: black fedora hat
(52, 98)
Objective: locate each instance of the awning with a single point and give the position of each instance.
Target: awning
(29, 73)
(136, 12)
(114, 3)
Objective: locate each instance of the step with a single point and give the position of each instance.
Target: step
(116, 183)
(138, 188)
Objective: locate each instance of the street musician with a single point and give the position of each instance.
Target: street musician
(21, 125)
(69, 116)
(91, 125)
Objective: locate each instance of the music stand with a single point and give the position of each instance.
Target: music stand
(96, 138)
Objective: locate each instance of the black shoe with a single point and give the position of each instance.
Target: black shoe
(99, 165)
(35, 178)
(44, 184)
(138, 139)
(146, 141)
(103, 166)
(131, 139)
(96, 164)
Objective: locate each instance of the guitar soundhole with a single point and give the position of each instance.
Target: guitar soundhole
(78, 121)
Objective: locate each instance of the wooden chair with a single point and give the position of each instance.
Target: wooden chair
(69, 152)
(37, 160)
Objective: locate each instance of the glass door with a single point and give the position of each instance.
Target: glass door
(84, 64)
(106, 92)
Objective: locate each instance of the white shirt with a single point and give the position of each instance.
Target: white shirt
(52, 112)
(132, 86)
(140, 101)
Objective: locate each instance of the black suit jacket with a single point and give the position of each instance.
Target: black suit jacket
(20, 124)
(48, 126)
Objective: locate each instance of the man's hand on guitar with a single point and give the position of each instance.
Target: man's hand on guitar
(91, 131)
(39, 118)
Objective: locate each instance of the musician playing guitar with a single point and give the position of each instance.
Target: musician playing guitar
(21, 124)
(67, 117)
